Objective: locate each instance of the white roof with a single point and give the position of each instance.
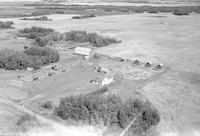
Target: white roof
(83, 51)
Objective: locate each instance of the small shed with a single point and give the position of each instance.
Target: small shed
(84, 51)
(136, 62)
(148, 64)
(159, 66)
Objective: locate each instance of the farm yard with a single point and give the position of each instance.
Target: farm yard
(155, 59)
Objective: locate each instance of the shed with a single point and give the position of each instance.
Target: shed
(136, 62)
(159, 66)
(83, 51)
(148, 64)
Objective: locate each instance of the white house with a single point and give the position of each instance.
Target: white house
(84, 51)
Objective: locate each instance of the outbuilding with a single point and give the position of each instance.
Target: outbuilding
(148, 64)
(159, 66)
(84, 51)
(136, 62)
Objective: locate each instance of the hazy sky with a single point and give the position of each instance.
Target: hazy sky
(17, 0)
(104, 0)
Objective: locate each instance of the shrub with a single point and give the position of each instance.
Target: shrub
(76, 17)
(25, 47)
(6, 25)
(40, 41)
(24, 118)
(100, 91)
(110, 110)
(180, 12)
(153, 11)
(91, 15)
(28, 121)
(47, 105)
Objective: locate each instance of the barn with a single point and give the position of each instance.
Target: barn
(84, 51)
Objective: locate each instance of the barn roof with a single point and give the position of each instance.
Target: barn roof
(83, 51)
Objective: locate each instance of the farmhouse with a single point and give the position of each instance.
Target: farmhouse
(84, 51)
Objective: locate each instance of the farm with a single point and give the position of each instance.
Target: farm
(94, 75)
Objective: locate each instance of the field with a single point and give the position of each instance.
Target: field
(161, 38)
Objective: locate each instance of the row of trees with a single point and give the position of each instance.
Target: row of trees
(106, 9)
(43, 36)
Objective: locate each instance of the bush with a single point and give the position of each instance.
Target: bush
(108, 110)
(180, 12)
(40, 41)
(6, 25)
(25, 47)
(153, 11)
(25, 118)
(28, 121)
(100, 91)
(76, 17)
(47, 105)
